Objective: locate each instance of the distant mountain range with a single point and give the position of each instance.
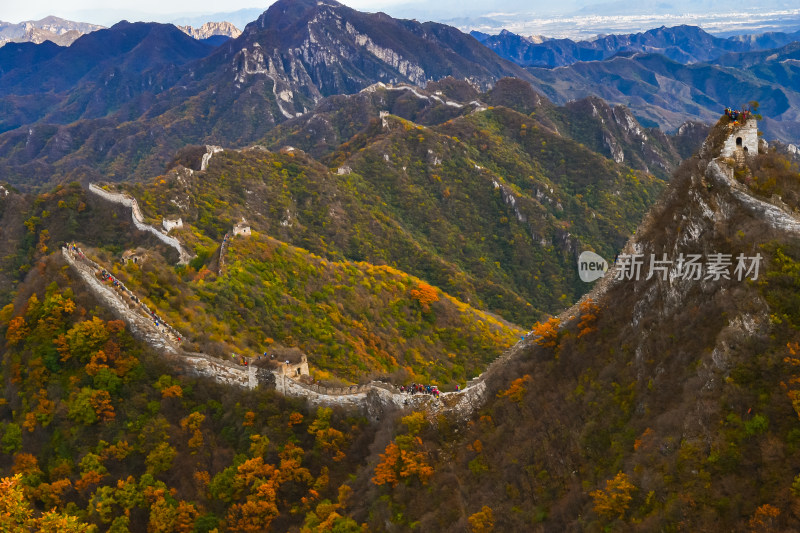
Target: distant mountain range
(667, 76)
(684, 44)
(667, 93)
(54, 29)
(64, 32)
(149, 87)
(119, 102)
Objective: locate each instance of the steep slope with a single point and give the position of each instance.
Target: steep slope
(337, 119)
(666, 402)
(397, 50)
(160, 450)
(614, 133)
(355, 320)
(490, 207)
(97, 75)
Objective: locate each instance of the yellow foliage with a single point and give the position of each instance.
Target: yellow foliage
(16, 513)
(482, 521)
(17, 330)
(614, 500)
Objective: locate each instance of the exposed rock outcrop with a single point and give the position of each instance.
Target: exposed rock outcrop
(210, 29)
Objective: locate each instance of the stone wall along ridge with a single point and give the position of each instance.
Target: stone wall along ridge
(138, 219)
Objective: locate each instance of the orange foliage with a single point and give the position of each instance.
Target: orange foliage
(202, 478)
(17, 330)
(124, 364)
(174, 391)
(96, 363)
(185, 516)
(517, 389)
(87, 479)
(482, 521)
(397, 464)
(30, 421)
(192, 423)
(765, 518)
(588, 318)
(615, 499)
(547, 332)
(295, 419)
(115, 326)
(51, 492)
(25, 464)
(642, 440)
(253, 515)
(249, 419)
(425, 295)
(101, 403)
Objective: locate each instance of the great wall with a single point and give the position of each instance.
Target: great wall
(151, 328)
(373, 398)
(138, 220)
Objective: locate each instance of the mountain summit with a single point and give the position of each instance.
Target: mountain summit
(312, 49)
(282, 65)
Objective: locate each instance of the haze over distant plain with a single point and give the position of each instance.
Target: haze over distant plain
(577, 19)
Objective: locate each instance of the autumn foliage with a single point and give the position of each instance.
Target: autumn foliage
(140, 449)
(517, 389)
(547, 332)
(425, 295)
(588, 317)
(613, 501)
(482, 521)
(16, 513)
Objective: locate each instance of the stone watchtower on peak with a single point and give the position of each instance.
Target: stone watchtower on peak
(743, 140)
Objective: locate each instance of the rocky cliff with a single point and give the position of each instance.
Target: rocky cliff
(210, 29)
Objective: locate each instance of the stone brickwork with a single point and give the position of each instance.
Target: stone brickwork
(743, 139)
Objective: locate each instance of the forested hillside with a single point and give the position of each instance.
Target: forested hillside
(666, 404)
(98, 428)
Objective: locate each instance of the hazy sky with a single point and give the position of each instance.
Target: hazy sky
(565, 18)
(17, 11)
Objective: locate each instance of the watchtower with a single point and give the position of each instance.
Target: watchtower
(743, 139)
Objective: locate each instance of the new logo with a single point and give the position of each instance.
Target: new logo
(591, 266)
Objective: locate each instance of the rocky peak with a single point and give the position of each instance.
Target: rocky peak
(209, 29)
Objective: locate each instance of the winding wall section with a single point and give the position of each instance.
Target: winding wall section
(138, 219)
